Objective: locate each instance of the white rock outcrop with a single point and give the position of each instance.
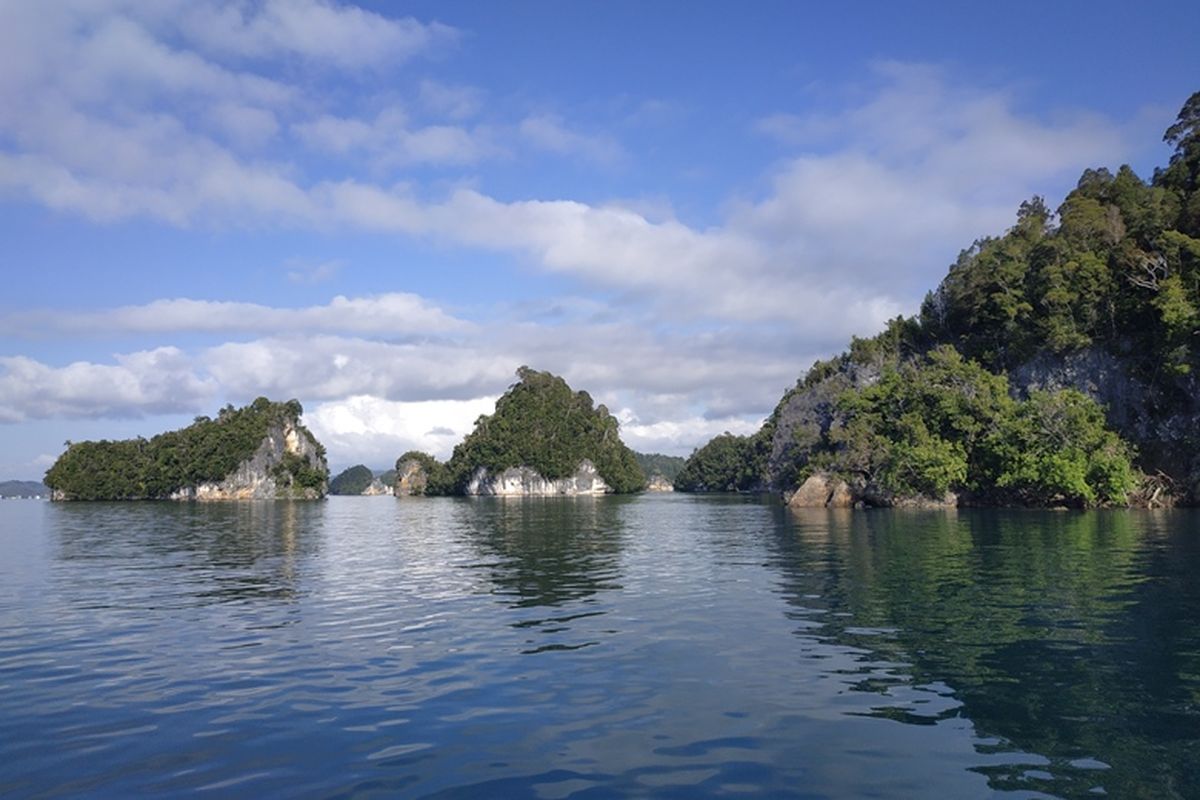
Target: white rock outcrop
(254, 478)
(525, 482)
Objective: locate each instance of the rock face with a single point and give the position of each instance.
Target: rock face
(525, 482)
(804, 416)
(376, 489)
(411, 478)
(657, 483)
(257, 477)
(1162, 420)
(822, 490)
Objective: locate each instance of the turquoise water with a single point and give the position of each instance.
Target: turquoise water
(655, 646)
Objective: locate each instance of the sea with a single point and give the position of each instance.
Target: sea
(659, 646)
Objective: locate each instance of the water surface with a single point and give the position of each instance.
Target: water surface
(657, 646)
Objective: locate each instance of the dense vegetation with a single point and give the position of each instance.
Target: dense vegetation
(542, 424)
(728, 463)
(354, 480)
(1115, 270)
(206, 451)
(658, 464)
(941, 422)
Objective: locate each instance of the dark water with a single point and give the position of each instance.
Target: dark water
(653, 647)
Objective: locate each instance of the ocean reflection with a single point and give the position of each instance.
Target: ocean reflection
(219, 552)
(1070, 635)
(547, 551)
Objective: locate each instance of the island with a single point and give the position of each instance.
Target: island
(543, 439)
(1055, 365)
(360, 480)
(260, 451)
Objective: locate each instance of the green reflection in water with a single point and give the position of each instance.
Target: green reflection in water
(1070, 635)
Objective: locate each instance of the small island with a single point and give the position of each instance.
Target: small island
(359, 480)
(257, 452)
(543, 439)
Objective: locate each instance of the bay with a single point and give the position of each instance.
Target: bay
(651, 646)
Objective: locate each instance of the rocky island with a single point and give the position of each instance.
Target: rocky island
(359, 480)
(1054, 366)
(543, 439)
(260, 451)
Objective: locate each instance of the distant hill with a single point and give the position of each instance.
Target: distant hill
(23, 489)
(659, 464)
(354, 480)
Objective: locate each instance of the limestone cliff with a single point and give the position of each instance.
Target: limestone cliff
(659, 483)
(265, 475)
(526, 482)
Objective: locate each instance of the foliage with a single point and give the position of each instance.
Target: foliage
(943, 423)
(206, 451)
(659, 464)
(727, 463)
(354, 480)
(1055, 448)
(1121, 270)
(542, 424)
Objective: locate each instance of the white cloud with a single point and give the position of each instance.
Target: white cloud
(158, 381)
(394, 314)
(549, 132)
(679, 437)
(374, 431)
(388, 141)
(333, 367)
(344, 36)
(109, 120)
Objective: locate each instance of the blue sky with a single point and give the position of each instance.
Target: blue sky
(384, 209)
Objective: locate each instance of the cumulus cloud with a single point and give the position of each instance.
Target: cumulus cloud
(887, 190)
(158, 381)
(375, 431)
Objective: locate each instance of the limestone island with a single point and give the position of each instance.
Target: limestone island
(544, 439)
(1056, 365)
(257, 452)
(360, 481)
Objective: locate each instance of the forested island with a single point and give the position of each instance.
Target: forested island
(1054, 365)
(544, 438)
(260, 451)
(361, 480)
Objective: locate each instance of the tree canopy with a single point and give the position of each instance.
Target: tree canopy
(540, 423)
(206, 451)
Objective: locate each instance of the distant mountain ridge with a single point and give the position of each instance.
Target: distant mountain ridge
(23, 489)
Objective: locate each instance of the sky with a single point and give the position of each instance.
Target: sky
(383, 209)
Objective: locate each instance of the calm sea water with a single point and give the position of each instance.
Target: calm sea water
(658, 646)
